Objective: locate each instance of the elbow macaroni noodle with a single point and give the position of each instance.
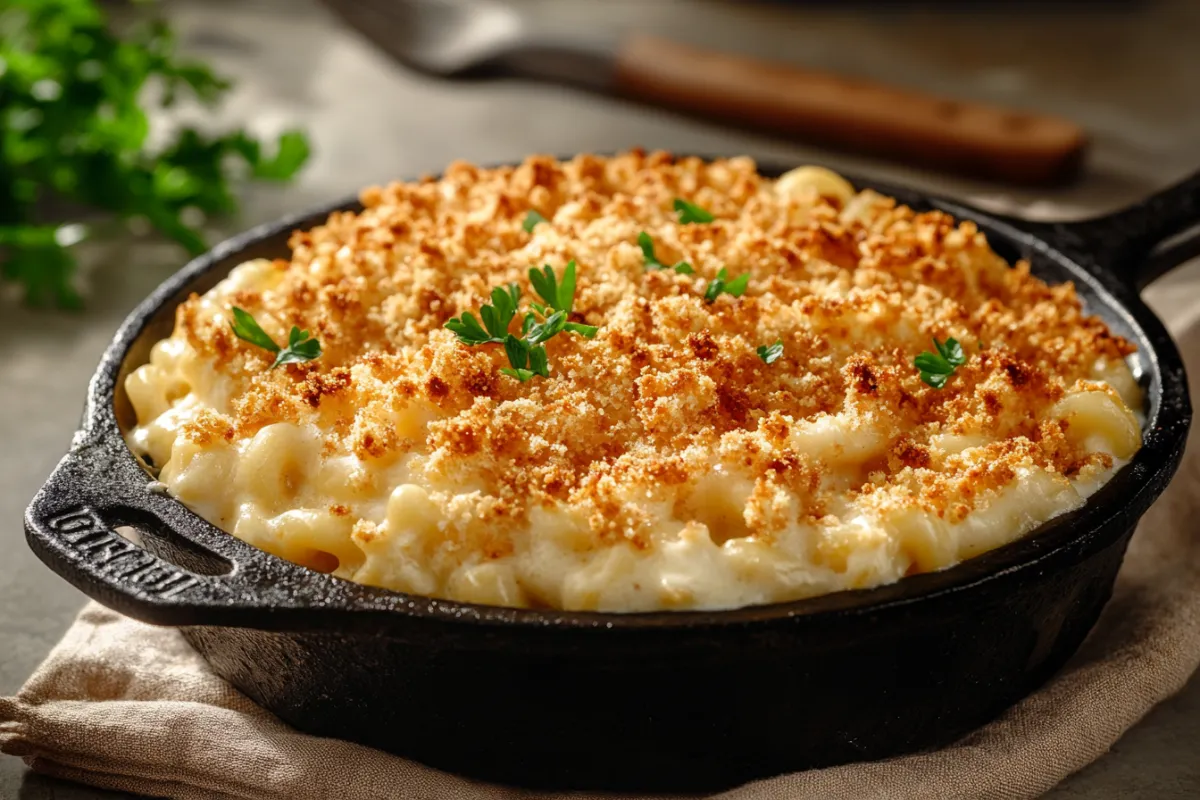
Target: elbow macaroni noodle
(662, 466)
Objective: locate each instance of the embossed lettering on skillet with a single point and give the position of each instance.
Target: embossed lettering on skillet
(82, 529)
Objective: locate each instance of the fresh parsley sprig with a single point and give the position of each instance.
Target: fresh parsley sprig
(770, 353)
(651, 260)
(532, 219)
(936, 368)
(691, 213)
(301, 344)
(75, 133)
(526, 353)
(723, 285)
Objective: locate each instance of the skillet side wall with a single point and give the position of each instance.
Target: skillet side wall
(672, 709)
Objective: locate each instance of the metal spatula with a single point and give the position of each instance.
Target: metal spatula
(460, 38)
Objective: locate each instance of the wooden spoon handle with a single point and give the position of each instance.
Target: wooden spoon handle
(965, 137)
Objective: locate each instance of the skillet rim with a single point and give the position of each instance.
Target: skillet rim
(1069, 537)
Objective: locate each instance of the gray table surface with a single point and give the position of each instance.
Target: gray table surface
(1128, 71)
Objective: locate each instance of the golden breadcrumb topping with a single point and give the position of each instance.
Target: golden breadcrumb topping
(669, 406)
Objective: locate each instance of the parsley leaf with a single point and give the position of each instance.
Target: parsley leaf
(527, 359)
(936, 368)
(531, 221)
(651, 260)
(516, 372)
(301, 347)
(544, 331)
(496, 318)
(301, 344)
(770, 354)
(723, 285)
(246, 328)
(291, 151)
(517, 351)
(559, 297)
(75, 134)
(468, 330)
(586, 331)
(538, 362)
(690, 212)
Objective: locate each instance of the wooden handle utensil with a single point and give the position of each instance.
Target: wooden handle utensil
(852, 114)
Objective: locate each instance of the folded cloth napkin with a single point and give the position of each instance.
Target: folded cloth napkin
(132, 707)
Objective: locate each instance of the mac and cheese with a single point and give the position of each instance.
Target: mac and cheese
(663, 464)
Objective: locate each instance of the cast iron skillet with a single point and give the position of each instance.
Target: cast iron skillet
(658, 701)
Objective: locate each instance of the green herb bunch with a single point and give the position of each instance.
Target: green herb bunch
(73, 132)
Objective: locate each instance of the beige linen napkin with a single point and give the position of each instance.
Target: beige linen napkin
(127, 706)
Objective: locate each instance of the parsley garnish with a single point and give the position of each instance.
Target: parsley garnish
(75, 134)
(301, 344)
(526, 353)
(770, 354)
(531, 221)
(690, 212)
(936, 368)
(722, 284)
(496, 318)
(560, 298)
(652, 262)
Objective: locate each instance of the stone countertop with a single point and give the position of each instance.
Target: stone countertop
(1126, 70)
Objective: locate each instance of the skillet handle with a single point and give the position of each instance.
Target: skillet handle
(71, 525)
(1122, 241)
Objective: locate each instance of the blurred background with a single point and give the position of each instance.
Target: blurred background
(1126, 73)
